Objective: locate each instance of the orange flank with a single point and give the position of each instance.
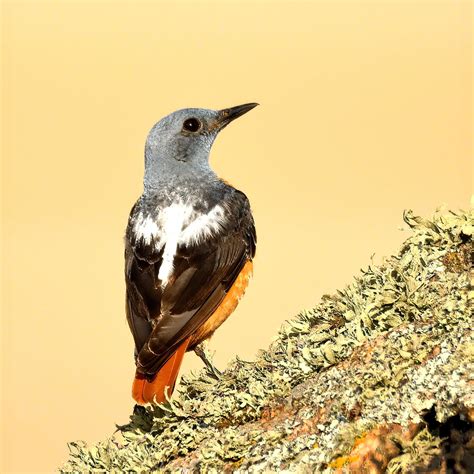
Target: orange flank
(226, 308)
(163, 383)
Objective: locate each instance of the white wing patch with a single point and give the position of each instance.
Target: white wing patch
(145, 229)
(204, 226)
(177, 225)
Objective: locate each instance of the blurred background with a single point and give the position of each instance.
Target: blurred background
(366, 110)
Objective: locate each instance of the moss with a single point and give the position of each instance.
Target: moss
(394, 344)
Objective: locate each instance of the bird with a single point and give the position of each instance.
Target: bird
(190, 242)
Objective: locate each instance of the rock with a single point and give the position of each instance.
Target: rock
(376, 378)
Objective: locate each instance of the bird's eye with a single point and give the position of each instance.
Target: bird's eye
(191, 125)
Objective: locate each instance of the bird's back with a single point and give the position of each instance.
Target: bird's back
(185, 249)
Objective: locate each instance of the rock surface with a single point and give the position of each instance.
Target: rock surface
(377, 378)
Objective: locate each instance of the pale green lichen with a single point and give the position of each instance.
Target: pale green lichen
(393, 344)
(417, 452)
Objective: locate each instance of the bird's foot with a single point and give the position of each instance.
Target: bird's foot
(203, 353)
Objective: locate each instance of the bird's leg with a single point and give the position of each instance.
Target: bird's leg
(203, 353)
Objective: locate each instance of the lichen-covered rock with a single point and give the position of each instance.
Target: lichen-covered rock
(379, 377)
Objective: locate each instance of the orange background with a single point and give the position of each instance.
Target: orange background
(366, 109)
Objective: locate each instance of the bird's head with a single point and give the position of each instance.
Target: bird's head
(180, 143)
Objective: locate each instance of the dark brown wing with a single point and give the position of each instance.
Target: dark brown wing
(161, 320)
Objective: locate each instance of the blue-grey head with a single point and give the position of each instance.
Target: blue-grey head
(180, 143)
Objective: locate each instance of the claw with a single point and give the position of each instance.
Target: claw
(202, 352)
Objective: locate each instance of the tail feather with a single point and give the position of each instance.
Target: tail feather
(163, 383)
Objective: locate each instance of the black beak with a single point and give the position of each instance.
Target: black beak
(227, 115)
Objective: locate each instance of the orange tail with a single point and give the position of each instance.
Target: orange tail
(163, 382)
